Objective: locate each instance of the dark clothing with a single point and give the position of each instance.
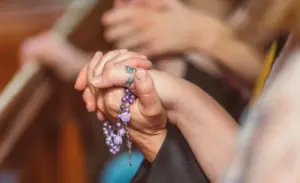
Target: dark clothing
(229, 98)
(175, 163)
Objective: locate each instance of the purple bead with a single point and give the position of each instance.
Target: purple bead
(124, 99)
(121, 132)
(118, 140)
(127, 110)
(122, 107)
(119, 124)
(125, 117)
(130, 101)
(114, 139)
(132, 97)
(108, 143)
(117, 148)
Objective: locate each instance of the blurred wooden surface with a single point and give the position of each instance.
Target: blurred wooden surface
(48, 135)
(19, 20)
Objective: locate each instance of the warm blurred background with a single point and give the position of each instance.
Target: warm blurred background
(18, 20)
(41, 141)
(46, 133)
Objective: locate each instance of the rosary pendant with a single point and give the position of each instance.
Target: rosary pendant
(129, 146)
(114, 134)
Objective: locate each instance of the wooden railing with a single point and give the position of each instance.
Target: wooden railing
(39, 133)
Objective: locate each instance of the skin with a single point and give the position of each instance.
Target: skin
(179, 110)
(147, 31)
(278, 104)
(148, 123)
(261, 150)
(52, 51)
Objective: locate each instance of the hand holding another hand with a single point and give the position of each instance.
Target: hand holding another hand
(102, 81)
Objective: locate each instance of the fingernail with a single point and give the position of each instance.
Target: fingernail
(97, 81)
(100, 116)
(89, 108)
(98, 54)
(141, 74)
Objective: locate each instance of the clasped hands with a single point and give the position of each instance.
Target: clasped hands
(102, 82)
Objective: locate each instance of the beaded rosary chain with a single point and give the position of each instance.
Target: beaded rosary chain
(114, 134)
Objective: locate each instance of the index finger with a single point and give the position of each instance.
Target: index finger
(82, 81)
(118, 15)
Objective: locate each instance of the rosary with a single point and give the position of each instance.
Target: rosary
(114, 134)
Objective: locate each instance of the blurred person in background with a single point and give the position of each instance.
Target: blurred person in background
(169, 33)
(267, 144)
(60, 55)
(155, 20)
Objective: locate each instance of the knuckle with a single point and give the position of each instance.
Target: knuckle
(107, 65)
(111, 104)
(108, 74)
(153, 112)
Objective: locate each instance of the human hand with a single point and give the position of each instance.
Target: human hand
(148, 118)
(149, 31)
(114, 75)
(52, 51)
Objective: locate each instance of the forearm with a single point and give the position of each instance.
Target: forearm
(222, 45)
(74, 57)
(208, 128)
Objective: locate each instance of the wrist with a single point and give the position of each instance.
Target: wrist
(149, 145)
(75, 58)
(208, 34)
(163, 80)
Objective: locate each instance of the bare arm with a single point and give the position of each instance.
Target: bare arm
(209, 130)
(207, 127)
(56, 53)
(220, 43)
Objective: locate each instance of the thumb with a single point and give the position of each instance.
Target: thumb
(150, 104)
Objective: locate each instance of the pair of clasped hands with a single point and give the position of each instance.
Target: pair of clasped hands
(102, 81)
